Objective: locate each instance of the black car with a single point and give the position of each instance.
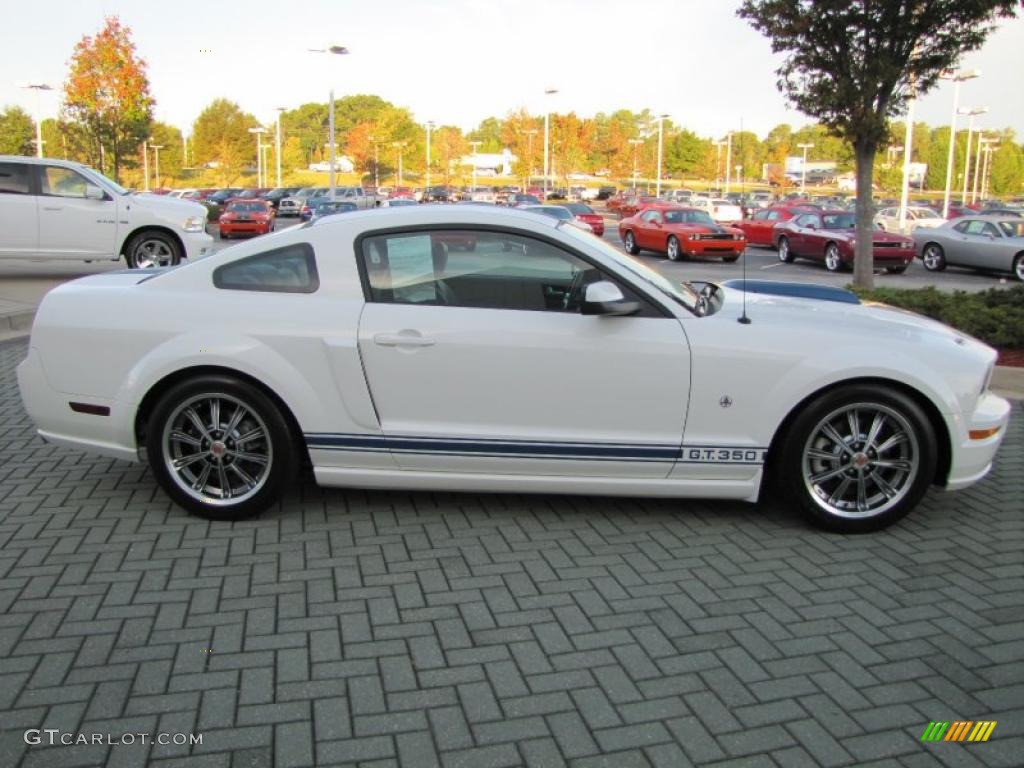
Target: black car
(603, 193)
(436, 195)
(321, 207)
(220, 196)
(274, 196)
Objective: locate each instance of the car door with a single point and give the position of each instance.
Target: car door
(965, 245)
(649, 233)
(799, 232)
(19, 217)
(760, 227)
(72, 225)
(479, 360)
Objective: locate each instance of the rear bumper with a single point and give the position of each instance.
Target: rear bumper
(972, 459)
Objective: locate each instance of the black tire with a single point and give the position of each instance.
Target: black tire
(896, 270)
(629, 244)
(1018, 266)
(263, 417)
(731, 259)
(786, 256)
(150, 248)
(221, 235)
(900, 415)
(933, 257)
(672, 245)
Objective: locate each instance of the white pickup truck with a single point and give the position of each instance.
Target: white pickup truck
(56, 209)
(357, 195)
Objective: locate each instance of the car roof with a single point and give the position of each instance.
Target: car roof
(486, 215)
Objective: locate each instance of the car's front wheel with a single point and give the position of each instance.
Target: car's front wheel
(858, 458)
(220, 447)
(672, 248)
(785, 255)
(1018, 266)
(833, 261)
(152, 248)
(629, 243)
(933, 258)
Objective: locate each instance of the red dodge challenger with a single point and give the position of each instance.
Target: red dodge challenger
(829, 236)
(249, 217)
(759, 227)
(680, 232)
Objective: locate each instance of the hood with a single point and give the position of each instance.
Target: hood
(706, 229)
(171, 206)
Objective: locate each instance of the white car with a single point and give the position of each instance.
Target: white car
(721, 210)
(483, 349)
(917, 216)
(56, 209)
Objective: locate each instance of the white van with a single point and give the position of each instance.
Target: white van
(56, 209)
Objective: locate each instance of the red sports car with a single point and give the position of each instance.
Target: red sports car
(584, 212)
(633, 205)
(246, 217)
(829, 236)
(759, 227)
(680, 232)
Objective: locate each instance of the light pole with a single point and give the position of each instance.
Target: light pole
(474, 145)
(982, 140)
(156, 161)
(990, 145)
(430, 127)
(530, 133)
(145, 166)
(661, 124)
(399, 145)
(718, 160)
(277, 143)
(259, 154)
(338, 50)
(957, 78)
(547, 115)
(971, 112)
(636, 146)
(803, 168)
(38, 88)
(266, 164)
(728, 160)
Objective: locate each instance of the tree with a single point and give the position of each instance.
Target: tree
(852, 64)
(221, 140)
(107, 93)
(17, 132)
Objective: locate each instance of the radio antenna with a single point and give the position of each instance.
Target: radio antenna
(744, 320)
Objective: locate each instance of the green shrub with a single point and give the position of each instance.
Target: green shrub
(995, 316)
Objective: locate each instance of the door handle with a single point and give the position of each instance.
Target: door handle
(402, 339)
(51, 208)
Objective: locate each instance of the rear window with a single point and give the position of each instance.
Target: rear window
(291, 269)
(14, 179)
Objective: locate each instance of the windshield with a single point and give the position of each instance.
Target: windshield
(838, 221)
(688, 217)
(1012, 228)
(97, 176)
(247, 207)
(679, 292)
(926, 213)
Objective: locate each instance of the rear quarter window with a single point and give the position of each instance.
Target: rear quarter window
(291, 269)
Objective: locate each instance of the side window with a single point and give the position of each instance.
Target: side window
(771, 215)
(976, 227)
(14, 179)
(62, 182)
(806, 220)
(291, 269)
(990, 230)
(962, 227)
(477, 269)
(651, 216)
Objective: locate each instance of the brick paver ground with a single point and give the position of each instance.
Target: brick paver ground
(420, 629)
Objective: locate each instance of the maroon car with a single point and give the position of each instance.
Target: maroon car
(829, 236)
(584, 212)
(759, 227)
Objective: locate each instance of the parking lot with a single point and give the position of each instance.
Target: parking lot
(383, 629)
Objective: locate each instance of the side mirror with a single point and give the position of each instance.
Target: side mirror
(605, 298)
(92, 192)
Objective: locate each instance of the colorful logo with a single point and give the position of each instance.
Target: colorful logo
(959, 730)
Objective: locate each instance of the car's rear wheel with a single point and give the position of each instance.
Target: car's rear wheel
(220, 447)
(1018, 266)
(629, 243)
(785, 255)
(833, 261)
(151, 248)
(896, 270)
(933, 257)
(858, 458)
(672, 248)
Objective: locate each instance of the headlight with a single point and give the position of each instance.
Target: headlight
(194, 224)
(693, 237)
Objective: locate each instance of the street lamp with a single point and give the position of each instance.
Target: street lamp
(156, 152)
(989, 144)
(259, 154)
(636, 146)
(430, 127)
(803, 168)
(530, 133)
(145, 165)
(474, 145)
(38, 88)
(547, 115)
(277, 143)
(957, 78)
(657, 183)
(399, 145)
(338, 50)
(971, 112)
(728, 160)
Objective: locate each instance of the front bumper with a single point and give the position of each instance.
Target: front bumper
(246, 227)
(197, 245)
(972, 459)
(713, 247)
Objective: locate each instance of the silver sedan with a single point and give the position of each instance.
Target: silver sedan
(990, 243)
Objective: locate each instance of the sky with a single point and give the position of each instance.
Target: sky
(458, 61)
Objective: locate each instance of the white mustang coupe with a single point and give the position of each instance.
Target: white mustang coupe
(484, 349)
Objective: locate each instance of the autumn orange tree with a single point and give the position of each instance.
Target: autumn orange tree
(107, 94)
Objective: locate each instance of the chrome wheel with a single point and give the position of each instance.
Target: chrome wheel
(833, 261)
(1018, 267)
(217, 449)
(933, 258)
(673, 249)
(784, 254)
(152, 252)
(630, 243)
(861, 460)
